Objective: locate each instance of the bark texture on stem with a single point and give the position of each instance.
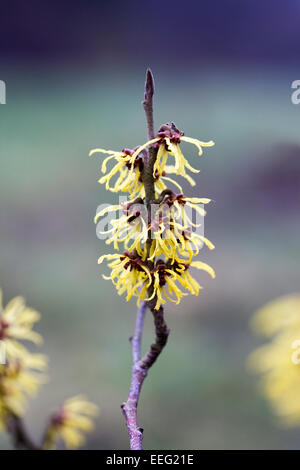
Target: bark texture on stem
(142, 365)
(136, 339)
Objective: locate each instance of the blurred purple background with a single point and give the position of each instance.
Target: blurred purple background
(170, 33)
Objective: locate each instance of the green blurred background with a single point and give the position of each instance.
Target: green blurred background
(199, 394)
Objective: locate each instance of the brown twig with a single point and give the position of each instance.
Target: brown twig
(148, 103)
(149, 161)
(140, 370)
(141, 366)
(21, 439)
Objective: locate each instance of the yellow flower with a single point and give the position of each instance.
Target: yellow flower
(128, 176)
(128, 273)
(19, 378)
(168, 140)
(128, 173)
(165, 276)
(278, 361)
(16, 323)
(131, 228)
(171, 228)
(70, 422)
(129, 163)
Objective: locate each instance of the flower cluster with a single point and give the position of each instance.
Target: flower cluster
(278, 361)
(127, 173)
(23, 372)
(158, 237)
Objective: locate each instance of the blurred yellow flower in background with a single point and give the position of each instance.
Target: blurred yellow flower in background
(70, 421)
(19, 378)
(16, 323)
(278, 361)
(21, 375)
